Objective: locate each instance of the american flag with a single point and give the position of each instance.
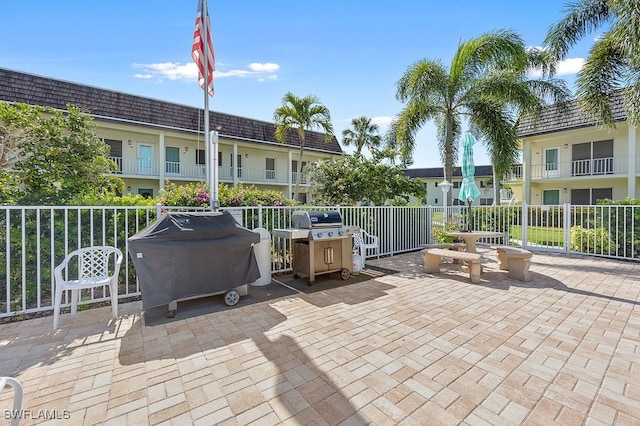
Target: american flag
(198, 48)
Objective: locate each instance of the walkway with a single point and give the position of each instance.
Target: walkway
(407, 348)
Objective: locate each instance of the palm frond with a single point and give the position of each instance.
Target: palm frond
(602, 73)
(581, 19)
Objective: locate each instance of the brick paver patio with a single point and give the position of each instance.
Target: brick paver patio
(408, 348)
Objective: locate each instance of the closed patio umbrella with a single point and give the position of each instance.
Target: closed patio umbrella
(469, 190)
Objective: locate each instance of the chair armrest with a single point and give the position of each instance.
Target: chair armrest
(118, 262)
(62, 266)
(369, 239)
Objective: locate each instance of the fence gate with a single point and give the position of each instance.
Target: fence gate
(545, 227)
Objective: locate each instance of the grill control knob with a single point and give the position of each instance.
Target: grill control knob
(330, 234)
(319, 235)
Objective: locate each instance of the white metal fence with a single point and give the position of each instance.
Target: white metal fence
(33, 240)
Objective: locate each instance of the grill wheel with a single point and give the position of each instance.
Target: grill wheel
(231, 297)
(345, 274)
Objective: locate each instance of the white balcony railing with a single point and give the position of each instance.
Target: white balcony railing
(564, 170)
(142, 167)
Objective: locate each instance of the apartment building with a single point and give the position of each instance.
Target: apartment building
(153, 141)
(567, 158)
(433, 176)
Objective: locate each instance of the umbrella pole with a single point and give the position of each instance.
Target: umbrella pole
(469, 218)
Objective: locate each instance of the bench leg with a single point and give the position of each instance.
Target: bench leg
(504, 262)
(519, 269)
(455, 248)
(431, 263)
(474, 271)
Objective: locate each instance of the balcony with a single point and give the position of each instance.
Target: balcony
(172, 169)
(608, 166)
(251, 175)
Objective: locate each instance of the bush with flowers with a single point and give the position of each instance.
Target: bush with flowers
(197, 195)
(242, 195)
(438, 233)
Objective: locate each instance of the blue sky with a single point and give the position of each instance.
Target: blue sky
(349, 53)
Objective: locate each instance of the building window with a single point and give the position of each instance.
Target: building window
(115, 151)
(270, 168)
(551, 197)
(590, 196)
(551, 168)
(598, 194)
(239, 165)
(302, 197)
(592, 158)
(294, 169)
(172, 160)
(456, 184)
(201, 158)
(146, 192)
(145, 159)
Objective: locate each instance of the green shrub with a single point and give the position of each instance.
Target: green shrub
(197, 195)
(241, 195)
(595, 241)
(438, 233)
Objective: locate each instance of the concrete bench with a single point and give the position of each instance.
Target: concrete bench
(515, 260)
(450, 246)
(431, 259)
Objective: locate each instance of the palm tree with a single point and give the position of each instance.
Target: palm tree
(485, 86)
(300, 114)
(364, 133)
(614, 59)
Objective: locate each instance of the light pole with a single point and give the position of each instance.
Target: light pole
(445, 186)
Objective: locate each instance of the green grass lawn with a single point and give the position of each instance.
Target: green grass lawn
(539, 235)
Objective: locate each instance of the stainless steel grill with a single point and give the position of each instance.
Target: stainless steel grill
(321, 244)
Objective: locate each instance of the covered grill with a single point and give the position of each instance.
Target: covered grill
(187, 255)
(321, 244)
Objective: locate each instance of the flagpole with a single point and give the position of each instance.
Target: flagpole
(207, 149)
(215, 204)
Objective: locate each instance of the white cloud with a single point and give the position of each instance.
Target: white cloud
(570, 66)
(270, 77)
(265, 67)
(176, 71)
(169, 70)
(382, 121)
(232, 73)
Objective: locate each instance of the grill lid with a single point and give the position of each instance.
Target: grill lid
(316, 219)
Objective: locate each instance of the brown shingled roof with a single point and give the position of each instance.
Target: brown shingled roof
(110, 105)
(552, 120)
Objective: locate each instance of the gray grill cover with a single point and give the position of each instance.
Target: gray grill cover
(184, 255)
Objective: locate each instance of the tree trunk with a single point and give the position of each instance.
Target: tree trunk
(448, 164)
(299, 166)
(496, 188)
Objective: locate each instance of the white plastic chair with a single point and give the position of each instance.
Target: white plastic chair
(364, 241)
(17, 398)
(96, 266)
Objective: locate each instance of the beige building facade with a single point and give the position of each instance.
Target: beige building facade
(569, 159)
(152, 141)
